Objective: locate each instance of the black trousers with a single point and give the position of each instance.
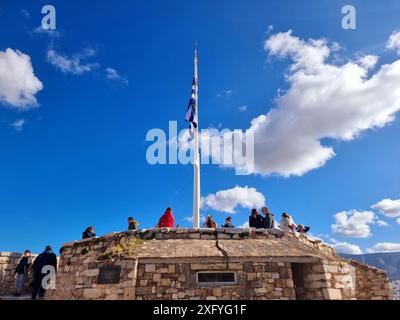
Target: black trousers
(37, 286)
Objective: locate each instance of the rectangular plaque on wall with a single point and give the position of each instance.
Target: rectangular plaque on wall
(109, 275)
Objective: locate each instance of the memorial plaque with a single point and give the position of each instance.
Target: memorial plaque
(109, 275)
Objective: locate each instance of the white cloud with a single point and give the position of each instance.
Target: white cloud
(394, 41)
(382, 223)
(243, 225)
(225, 93)
(18, 83)
(388, 207)
(368, 61)
(113, 74)
(398, 220)
(74, 63)
(190, 219)
(230, 199)
(385, 247)
(353, 223)
(345, 247)
(243, 108)
(324, 99)
(18, 124)
(52, 33)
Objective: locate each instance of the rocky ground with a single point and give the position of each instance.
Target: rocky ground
(396, 289)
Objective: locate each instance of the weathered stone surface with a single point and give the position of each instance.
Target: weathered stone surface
(167, 268)
(92, 293)
(332, 294)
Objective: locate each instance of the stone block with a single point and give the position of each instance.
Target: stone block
(331, 269)
(194, 235)
(181, 295)
(92, 293)
(332, 294)
(166, 282)
(171, 268)
(129, 294)
(156, 277)
(234, 230)
(150, 268)
(217, 292)
(92, 272)
(276, 232)
(207, 236)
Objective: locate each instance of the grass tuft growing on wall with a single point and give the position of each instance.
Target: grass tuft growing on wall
(126, 248)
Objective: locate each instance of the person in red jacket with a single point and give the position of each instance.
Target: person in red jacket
(167, 220)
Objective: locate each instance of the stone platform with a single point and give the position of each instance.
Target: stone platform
(170, 263)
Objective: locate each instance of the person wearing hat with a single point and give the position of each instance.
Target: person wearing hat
(228, 223)
(22, 270)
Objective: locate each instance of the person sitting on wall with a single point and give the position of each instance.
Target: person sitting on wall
(45, 259)
(287, 224)
(22, 270)
(275, 224)
(302, 229)
(228, 223)
(268, 219)
(255, 220)
(166, 220)
(210, 223)
(132, 224)
(88, 233)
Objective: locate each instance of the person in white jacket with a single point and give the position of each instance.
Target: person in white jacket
(287, 224)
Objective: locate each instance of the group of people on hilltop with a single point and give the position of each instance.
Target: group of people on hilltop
(210, 222)
(48, 258)
(166, 221)
(27, 266)
(267, 221)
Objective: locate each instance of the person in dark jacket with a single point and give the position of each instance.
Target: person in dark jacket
(88, 233)
(228, 223)
(302, 229)
(255, 220)
(132, 224)
(45, 259)
(22, 270)
(268, 219)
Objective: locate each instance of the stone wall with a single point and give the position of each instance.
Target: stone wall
(325, 276)
(325, 280)
(8, 263)
(77, 280)
(371, 283)
(255, 280)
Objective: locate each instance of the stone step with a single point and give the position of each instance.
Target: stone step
(11, 297)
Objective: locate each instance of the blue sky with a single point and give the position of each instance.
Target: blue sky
(78, 157)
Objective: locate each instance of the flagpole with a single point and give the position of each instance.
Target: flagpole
(196, 162)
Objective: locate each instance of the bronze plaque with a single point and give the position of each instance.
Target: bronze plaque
(109, 275)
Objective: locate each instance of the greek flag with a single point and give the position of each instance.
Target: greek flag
(191, 110)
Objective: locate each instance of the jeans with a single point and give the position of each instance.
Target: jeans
(20, 281)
